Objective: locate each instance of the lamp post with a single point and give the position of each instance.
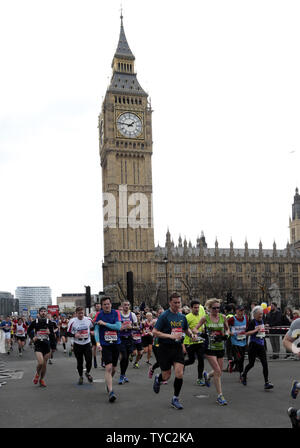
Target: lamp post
(165, 260)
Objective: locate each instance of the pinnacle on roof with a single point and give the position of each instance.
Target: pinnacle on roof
(123, 49)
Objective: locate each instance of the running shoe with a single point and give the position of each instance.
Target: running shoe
(65, 351)
(42, 383)
(121, 380)
(243, 380)
(176, 404)
(268, 386)
(49, 362)
(230, 366)
(221, 400)
(36, 378)
(156, 384)
(292, 413)
(89, 377)
(150, 372)
(206, 379)
(148, 362)
(130, 357)
(80, 381)
(294, 390)
(112, 397)
(126, 380)
(200, 382)
(136, 365)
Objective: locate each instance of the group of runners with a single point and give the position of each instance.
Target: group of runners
(175, 339)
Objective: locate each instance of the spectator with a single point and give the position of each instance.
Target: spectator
(274, 319)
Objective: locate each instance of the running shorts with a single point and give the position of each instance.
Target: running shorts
(217, 353)
(110, 354)
(137, 346)
(167, 354)
(147, 340)
(43, 347)
(20, 338)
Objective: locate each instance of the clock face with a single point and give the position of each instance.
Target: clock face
(129, 125)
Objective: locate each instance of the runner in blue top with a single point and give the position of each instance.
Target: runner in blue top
(107, 335)
(170, 328)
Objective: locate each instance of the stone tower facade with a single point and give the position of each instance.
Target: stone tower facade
(125, 138)
(295, 222)
(195, 271)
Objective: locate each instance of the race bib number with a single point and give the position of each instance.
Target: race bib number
(200, 338)
(177, 332)
(261, 333)
(20, 332)
(83, 334)
(136, 336)
(42, 334)
(241, 337)
(110, 336)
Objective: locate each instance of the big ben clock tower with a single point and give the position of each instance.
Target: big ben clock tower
(125, 139)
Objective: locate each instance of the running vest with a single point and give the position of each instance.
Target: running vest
(239, 326)
(137, 335)
(213, 330)
(20, 330)
(42, 333)
(126, 333)
(259, 337)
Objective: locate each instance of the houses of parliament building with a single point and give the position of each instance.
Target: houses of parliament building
(125, 143)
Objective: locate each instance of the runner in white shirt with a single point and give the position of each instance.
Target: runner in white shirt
(79, 328)
(20, 330)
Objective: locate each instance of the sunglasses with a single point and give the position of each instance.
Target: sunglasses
(215, 307)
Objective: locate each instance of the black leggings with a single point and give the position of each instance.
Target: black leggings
(238, 352)
(257, 351)
(81, 351)
(156, 365)
(194, 350)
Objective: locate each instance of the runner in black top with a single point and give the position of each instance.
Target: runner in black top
(43, 331)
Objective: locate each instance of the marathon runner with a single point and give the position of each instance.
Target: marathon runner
(63, 329)
(128, 321)
(93, 340)
(137, 342)
(215, 327)
(53, 337)
(107, 329)
(237, 326)
(20, 331)
(169, 329)
(289, 340)
(147, 335)
(195, 347)
(256, 331)
(80, 329)
(42, 329)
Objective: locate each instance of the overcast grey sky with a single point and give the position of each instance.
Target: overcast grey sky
(223, 77)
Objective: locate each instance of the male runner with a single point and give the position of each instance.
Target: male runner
(128, 321)
(80, 329)
(42, 329)
(195, 347)
(107, 328)
(169, 329)
(289, 343)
